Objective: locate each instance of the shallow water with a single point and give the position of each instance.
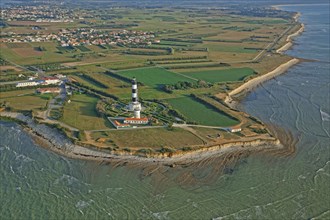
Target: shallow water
(36, 183)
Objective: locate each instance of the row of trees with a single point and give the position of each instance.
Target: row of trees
(198, 66)
(98, 83)
(179, 58)
(183, 85)
(147, 53)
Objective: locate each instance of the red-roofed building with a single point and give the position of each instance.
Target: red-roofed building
(117, 124)
(235, 129)
(142, 121)
(49, 90)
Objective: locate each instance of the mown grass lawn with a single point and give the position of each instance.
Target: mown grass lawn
(200, 113)
(224, 75)
(81, 113)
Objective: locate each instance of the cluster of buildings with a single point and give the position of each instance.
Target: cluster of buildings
(77, 37)
(43, 81)
(98, 37)
(42, 13)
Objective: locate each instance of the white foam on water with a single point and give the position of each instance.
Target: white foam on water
(324, 116)
(161, 215)
(82, 204)
(11, 169)
(23, 158)
(66, 178)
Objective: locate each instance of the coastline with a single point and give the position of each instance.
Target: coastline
(289, 40)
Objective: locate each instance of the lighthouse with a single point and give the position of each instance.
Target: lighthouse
(134, 91)
(135, 105)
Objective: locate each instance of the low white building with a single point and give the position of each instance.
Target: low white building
(235, 129)
(141, 121)
(25, 84)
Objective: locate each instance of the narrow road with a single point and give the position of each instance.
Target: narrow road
(200, 126)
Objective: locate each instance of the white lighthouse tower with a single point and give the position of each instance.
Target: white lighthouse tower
(135, 105)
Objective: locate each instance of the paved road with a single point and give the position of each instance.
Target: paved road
(13, 82)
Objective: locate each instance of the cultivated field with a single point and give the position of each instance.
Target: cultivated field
(222, 75)
(200, 113)
(154, 77)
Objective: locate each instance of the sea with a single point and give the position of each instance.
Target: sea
(36, 183)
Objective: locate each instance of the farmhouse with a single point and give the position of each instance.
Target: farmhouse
(142, 121)
(49, 90)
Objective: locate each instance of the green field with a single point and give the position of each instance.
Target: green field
(224, 75)
(81, 113)
(23, 100)
(154, 77)
(83, 48)
(200, 113)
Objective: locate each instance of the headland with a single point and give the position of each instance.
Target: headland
(93, 116)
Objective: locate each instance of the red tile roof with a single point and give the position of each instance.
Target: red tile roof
(53, 89)
(136, 119)
(119, 124)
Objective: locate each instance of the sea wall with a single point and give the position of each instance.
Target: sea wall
(251, 84)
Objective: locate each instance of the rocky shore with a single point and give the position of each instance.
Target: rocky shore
(51, 139)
